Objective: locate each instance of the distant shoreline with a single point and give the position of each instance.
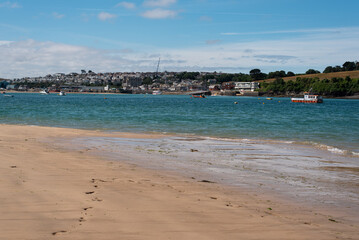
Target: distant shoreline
(354, 97)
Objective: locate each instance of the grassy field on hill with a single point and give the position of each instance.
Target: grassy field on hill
(337, 84)
(321, 76)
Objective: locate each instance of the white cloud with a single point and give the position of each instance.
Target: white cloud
(309, 51)
(58, 15)
(159, 14)
(104, 16)
(9, 4)
(5, 42)
(33, 58)
(300, 31)
(128, 5)
(158, 3)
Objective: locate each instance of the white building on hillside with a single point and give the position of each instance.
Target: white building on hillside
(246, 86)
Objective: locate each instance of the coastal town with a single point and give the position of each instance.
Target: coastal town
(135, 82)
(334, 81)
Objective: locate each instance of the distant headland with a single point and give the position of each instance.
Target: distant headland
(334, 81)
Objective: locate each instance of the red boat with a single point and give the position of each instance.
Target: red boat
(308, 98)
(199, 96)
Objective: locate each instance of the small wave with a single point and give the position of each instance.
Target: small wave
(321, 146)
(336, 150)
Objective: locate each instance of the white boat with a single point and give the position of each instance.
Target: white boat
(62, 93)
(157, 92)
(308, 98)
(44, 92)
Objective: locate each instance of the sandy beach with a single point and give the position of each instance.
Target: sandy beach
(50, 192)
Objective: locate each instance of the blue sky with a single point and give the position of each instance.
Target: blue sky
(38, 37)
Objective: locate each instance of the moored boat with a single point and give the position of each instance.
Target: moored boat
(308, 98)
(157, 92)
(44, 92)
(62, 93)
(199, 96)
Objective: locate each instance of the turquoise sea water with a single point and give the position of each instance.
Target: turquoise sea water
(333, 124)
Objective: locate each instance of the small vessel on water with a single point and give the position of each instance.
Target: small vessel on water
(156, 92)
(199, 96)
(308, 98)
(45, 92)
(7, 95)
(62, 93)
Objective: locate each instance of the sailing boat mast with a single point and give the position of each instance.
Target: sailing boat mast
(158, 66)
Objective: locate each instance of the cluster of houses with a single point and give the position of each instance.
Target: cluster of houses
(167, 82)
(242, 88)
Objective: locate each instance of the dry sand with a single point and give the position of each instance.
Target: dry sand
(53, 193)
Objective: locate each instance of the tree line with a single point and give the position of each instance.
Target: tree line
(256, 73)
(335, 87)
(347, 66)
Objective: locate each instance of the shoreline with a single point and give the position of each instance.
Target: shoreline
(353, 97)
(51, 191)
(333, 149)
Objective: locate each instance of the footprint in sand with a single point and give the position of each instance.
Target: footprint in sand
(62, 231)
(85, 209)
(97, 180)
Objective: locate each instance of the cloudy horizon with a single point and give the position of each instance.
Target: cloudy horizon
(130, 36)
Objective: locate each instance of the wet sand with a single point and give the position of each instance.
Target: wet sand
(311, 175)
(51, 191)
